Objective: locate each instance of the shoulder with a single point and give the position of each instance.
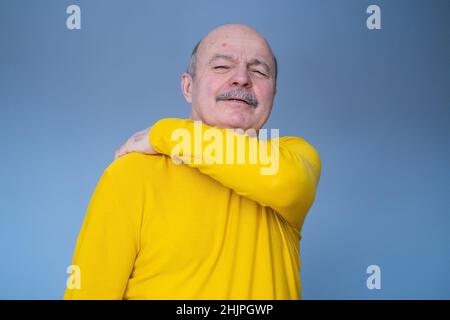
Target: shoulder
(129, 180)
(135, 167)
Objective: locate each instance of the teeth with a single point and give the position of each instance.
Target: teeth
(239, 100)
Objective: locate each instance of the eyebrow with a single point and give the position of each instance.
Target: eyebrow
(253, 62)
(221, 56)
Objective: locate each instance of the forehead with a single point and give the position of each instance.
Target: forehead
(240, 45)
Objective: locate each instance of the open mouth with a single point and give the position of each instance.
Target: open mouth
(238, 100)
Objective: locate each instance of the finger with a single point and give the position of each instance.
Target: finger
(122, 150)
(116, 154)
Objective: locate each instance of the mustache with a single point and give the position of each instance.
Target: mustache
(239, 94)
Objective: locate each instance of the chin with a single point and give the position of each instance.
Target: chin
(235, 121)
(235, 118)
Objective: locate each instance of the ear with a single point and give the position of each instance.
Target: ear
(186, 86)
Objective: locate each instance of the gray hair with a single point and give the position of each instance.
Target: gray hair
(193, 63)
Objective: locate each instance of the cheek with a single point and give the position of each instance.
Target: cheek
(207, 90)
(204, 99)
(265, 94)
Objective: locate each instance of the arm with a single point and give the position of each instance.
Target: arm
(106, 247)
(290, 191)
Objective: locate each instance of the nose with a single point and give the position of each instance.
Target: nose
(241, 78)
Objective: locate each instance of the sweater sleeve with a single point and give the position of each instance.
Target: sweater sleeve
(106, 247)
(288, 188)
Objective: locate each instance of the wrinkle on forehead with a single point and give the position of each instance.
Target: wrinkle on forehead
(225, 36)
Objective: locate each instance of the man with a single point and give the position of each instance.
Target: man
(158, 229)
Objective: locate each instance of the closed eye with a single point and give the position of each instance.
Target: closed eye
(260, 72)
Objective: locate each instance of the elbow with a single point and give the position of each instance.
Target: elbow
(296, 190)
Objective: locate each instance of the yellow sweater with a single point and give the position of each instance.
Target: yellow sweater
(158, 230)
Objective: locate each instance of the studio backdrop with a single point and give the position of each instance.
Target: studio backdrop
(367, 83)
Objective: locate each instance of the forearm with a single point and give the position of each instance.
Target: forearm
(286, 183)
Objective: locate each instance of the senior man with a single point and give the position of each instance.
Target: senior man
(200, 229)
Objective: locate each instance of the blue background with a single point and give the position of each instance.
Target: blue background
(376, 105)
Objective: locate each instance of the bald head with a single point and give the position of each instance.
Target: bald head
(226, 31)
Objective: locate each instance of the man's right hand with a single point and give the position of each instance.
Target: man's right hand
(138, 142)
